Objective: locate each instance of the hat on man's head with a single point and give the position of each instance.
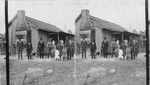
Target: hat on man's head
(41, 38)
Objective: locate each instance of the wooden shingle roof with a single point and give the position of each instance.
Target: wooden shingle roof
(43, 25)
(107, 25)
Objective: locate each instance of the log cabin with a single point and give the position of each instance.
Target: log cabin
(93, 28)
(27, 28)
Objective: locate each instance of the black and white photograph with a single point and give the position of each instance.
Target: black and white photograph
(74, 42)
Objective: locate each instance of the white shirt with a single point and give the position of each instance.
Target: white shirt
(57, 54)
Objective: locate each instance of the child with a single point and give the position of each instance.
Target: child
(120, 54)
(64, 53)
(116, 52)
(128, 52)
(57, 53)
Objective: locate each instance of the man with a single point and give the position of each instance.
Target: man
(29, 49)
(41, 47)
(83, 47)
(105, 47)
(126, 42)
(20, 48)
(93, 48)
(68, 49)
(131, 46)
(49, 46)
(113, 47)
(135, 49)
(60, 47)
(123, 47)
(71, 45)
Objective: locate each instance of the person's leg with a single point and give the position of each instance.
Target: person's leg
(42, 54)
(67, 55)
(106, 52)
(94, 55)
(28, 55)
(60, 55)
(91, 55)
(31, 55)
(21, 55)
(85, 53)
(131, 54)
(82, 54)
(48, 53)
(18, 54)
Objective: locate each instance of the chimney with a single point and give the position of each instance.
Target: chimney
(85, 13)
(21, 22)
(86, 24)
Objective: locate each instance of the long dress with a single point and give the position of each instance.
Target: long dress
(120, 54)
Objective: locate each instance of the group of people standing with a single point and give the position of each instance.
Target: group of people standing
(125, 49)
(20, 47)
(61, 51)
(85, 45)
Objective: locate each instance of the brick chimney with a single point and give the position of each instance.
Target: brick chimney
(86, 24)
(21, 22)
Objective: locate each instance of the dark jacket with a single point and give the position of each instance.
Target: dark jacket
(71, 47)
(29, 47)
(83, 44)
(92, 46)
(20, 45)
(105, 46)
(41, 46)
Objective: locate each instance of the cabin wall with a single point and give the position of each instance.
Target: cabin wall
(98, 38)
(34, 38)
(77, 32)
(109, 35)
(12, 30)
(45, 36)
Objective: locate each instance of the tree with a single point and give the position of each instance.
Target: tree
(134, 31)
(141, 33)
(69, 31)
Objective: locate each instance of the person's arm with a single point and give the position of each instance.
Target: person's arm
(31, 47)
(111, 44)
(47, 44)
(102, 44)
(86, 44)
(38, 45)
(43, 45)
(107, 44)
(17, 45)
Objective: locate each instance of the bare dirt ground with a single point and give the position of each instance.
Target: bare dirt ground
(85, 72)
(111, 72)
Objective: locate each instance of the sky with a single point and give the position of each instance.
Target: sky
(129, 14)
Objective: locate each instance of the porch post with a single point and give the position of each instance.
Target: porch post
(122, 37)
(58, 37)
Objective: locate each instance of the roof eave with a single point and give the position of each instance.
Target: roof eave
(78, 18)
(12, 20)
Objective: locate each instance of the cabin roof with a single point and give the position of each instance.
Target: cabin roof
(42, 25)
(107, 25)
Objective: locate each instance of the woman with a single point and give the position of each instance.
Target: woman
(105, 47)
